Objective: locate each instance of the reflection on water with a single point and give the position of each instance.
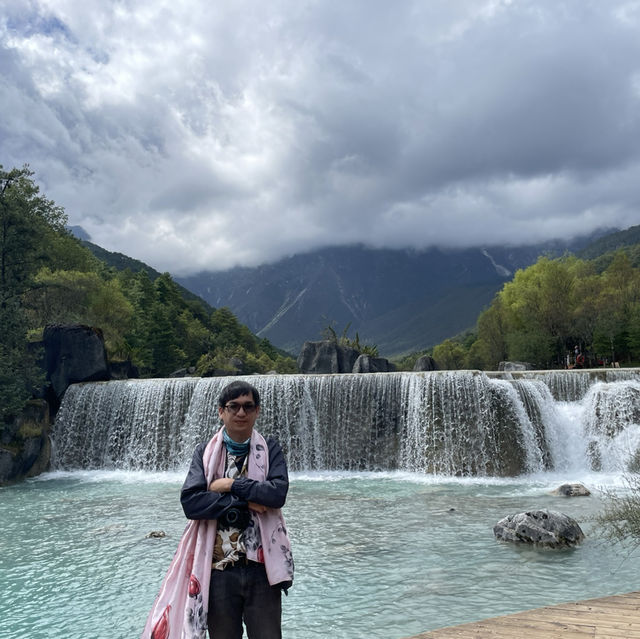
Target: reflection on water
(377, 555)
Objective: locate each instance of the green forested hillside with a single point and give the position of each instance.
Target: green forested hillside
(628, 238)
(121, 262)
(556, 305)
(47, 276)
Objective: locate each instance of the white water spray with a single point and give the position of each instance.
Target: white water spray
(460, 423)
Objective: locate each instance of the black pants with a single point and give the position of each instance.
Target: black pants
(242, 593)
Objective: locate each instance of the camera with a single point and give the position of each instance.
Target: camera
(235, 518)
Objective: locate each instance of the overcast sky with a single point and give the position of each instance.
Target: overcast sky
(201, 135)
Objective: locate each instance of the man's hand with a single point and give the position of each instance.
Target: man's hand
(259, 508)
(222, 485)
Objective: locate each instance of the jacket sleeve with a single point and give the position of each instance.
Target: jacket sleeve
(197, 501)
(273, 491)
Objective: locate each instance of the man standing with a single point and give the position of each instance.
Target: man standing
(234, 558)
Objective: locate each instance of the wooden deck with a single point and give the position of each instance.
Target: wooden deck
(616, 617)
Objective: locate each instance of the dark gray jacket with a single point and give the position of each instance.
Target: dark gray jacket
(200, 503)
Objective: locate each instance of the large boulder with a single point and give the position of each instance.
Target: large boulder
(425, 363)
(326, 357)
(123, 370)
(229, 367)
(28, 452)
(571, 490)
(369, 364)
(545, 528)
(73, 353)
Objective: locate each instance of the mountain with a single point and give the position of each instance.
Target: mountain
(120, 262)
(611, 242)
(79, 232)
(400, 300)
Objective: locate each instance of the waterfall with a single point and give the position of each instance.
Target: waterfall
(574, 384)
(612, 424)
(449, 423)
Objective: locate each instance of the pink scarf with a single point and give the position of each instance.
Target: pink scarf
(180, 609)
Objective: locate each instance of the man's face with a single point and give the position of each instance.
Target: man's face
(239, 424)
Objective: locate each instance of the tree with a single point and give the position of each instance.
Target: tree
(229, 332)
(633, 340)
(538, 308)
(449, 355)
(586, 309)
(141, 294)
(619, 297)
(491, 335)
(19, 373)
(477, 357)
(26, 219)
(195, 337)
(83, 297)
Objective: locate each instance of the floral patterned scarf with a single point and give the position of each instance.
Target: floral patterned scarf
(180, 609)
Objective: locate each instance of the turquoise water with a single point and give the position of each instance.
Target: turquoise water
(377, 554)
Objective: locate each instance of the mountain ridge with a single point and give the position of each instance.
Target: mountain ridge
(402, 300)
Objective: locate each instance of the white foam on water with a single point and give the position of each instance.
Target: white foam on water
(116, 476)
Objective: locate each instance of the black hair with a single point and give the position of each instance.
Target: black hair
(235, 390)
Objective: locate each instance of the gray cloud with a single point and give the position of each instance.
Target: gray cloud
(199, 136)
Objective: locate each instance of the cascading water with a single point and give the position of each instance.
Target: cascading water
(448, 423)
(572, 385)
(612, 425)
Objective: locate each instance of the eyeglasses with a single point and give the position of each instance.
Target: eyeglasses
(248, 407)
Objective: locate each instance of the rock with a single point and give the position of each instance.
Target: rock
(425, 363)
(326, 357)
(236, 365)
(123, 370)
(73, 353)
(155, 534)
(7, 459)
(217, 372)
(232, 366)
(369, 364)
(544, 528)
(571, 490)
(515, 366)
(29, 451)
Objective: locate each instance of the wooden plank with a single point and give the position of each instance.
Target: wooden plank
(615, 617)
(545, 628)
(512, 626)
(478, 631)
(491, 631)
(625, 609)
(624, 631)
(630, 598)
(579, 616)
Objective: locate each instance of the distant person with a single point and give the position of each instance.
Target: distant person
(234, 558)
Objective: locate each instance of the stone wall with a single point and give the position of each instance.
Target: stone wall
(25, 449)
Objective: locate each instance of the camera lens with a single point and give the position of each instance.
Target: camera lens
(235, 518)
